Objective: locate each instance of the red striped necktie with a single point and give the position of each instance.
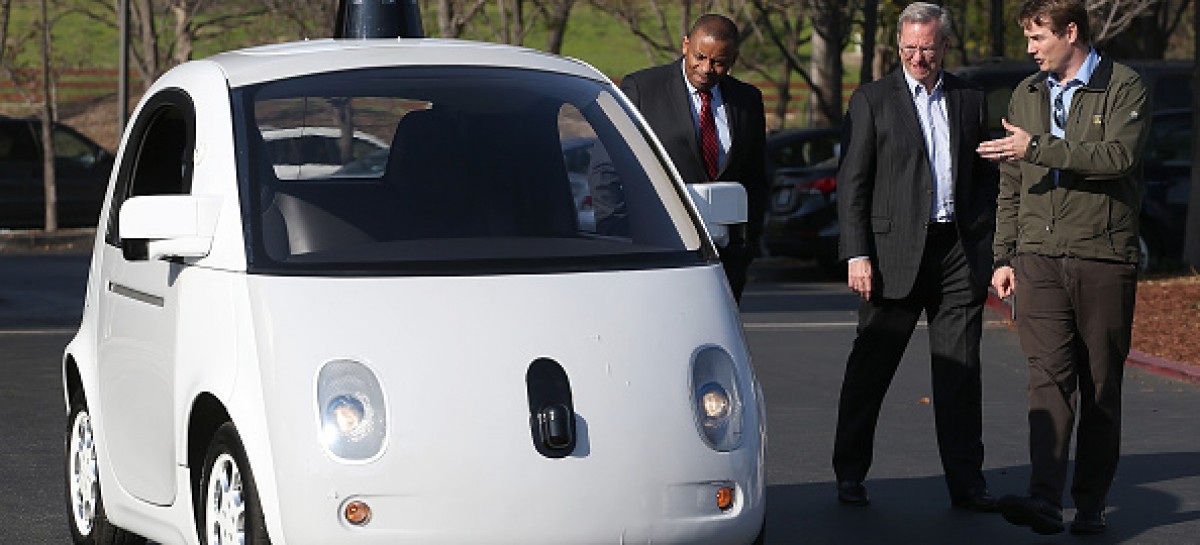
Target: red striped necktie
(708, 135)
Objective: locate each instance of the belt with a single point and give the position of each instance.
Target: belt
(941, 228)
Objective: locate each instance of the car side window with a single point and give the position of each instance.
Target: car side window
(806, 152)
(17, 143)
(69, 146)
(158, 160)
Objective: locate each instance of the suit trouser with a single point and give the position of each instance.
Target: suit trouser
(1074, 319)
(953, 307)
(735, 259)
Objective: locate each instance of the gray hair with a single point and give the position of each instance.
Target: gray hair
(924, 12)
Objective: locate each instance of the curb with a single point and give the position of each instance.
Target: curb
(34, 240)
(1141, 360)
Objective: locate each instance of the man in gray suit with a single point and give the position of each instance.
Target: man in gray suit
(916, 208)
(672, 98)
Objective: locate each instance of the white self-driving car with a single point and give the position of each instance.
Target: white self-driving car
(434, 352)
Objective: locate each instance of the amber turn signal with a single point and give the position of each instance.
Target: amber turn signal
(724, 498)
(357, 513)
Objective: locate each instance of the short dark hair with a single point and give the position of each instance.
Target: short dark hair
(1057, 14)
(720, 27)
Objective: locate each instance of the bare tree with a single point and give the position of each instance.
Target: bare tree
(512, 19)
(1112, 17)
(453, 16)
(778, 27)
(831, 34)
(153, 50)
(647, 20)
(5, 14)
(784, 24)
(196, 20)
(312, 18)
(1149, 33)
(555, 13)
(870, 28)
(49, 185)
(996, 25)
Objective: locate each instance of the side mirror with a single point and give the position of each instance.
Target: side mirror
(720, 204)
(168, 225)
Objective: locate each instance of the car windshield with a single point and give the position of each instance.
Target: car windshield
(459, 170)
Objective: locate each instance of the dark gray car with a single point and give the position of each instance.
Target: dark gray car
(81, 169)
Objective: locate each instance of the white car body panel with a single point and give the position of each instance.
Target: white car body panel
(160, 340)
(272, 62)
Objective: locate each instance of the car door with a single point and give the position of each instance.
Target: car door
(22, 191)
(138, 309)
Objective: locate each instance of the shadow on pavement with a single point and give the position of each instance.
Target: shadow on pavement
(917, 510)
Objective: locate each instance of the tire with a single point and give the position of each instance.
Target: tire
(229, 511)
(85, 505)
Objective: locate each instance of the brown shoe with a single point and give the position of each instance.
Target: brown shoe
(1038, 514)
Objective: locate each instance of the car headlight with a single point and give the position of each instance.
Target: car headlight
(716, 401)
(351, 410)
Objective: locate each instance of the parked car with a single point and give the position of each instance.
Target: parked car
(1168, 174)
(802, 216)
(797, 148)
(793, 153)
(436, 353)
(81, 170)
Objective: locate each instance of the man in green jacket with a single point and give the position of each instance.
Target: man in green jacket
(1067, 244)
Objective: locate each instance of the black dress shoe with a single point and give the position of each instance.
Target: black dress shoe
(852, 493)
(978, 500)
(1038, 514)
(1089, 523)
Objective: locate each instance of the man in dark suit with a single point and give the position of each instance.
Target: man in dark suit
(916, 208)
(676, 99)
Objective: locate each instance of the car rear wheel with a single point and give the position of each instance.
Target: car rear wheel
(89, 525)
(230, 512)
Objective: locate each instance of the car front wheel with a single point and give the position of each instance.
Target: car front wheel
(231, 514)
(89, 525)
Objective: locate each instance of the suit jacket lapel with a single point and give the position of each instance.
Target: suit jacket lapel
(733, 115)
(681, 108)
(907, 109)
(954, 116)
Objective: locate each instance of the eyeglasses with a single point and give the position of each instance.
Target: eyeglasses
(1060, 114)
(927, 52)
